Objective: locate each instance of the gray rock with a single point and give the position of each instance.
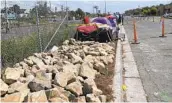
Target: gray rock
(66, 42)
(100, 67)
(103, 53)
(89, 87)
(24, 65)
(38, 62)
(15, 97)
(28, 62)
(82, 54)
(102, 98)
(40, 82)
(80, 99)
(92, 98)
(87, 70)
(54, 48)
(72, 41)
(62, 78)
(47, 60)
(39, 96)
(104, 59)
(4, 87)
(110, 58)
(71, 68)
(18, 87)
(56, 93)
(11, 75)
(89, 58)
(75, 59)
(68, 94)
(93, 53)
(75, 88)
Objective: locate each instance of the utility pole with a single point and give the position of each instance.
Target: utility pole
(6, 17)
(50, 5)
(67, 12)
(105, 6)
(37, 23)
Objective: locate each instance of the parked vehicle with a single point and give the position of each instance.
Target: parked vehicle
(166, 15)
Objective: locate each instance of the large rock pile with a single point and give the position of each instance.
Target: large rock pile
(64, 74)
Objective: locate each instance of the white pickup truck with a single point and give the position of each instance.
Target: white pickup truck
(167, 15)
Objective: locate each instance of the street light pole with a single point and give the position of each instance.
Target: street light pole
(105, 6)
(6, 17)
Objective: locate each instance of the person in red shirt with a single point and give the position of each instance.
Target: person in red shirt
(86, 20)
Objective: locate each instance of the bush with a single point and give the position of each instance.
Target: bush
(16, 49)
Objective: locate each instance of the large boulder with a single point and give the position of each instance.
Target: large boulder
(71, 68)
(92, 98)
(110, 58)
(94, 53)
(47, 60)
(100, 67)
(62, 78)
(40, 82)
(66, 42)
(18, 87)
(39, 96)
(89, 58)
(102, 98)
(72, 41)
(80, 99)
(89, 87)
(11, 75)
(75, 59)
(4, 87)
(66, 93)
(54, 48)
(57, 99)
(75, 88)
(38, 62)
(87, 70)
(24, 65)
(104, 59)
(15, 97)
(56, 93)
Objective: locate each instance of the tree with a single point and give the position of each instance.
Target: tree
(79, 13)
(145, 12)
(153, 10)
(43, 10)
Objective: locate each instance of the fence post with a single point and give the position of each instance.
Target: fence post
(37, 23)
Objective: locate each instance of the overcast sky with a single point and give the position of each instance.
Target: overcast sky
(87, 5)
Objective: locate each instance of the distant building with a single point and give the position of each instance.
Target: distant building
(164, 9)
(12, 16)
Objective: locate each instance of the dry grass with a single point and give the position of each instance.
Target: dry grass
(105, 82)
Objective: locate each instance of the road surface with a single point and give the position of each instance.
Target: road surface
(153, 57)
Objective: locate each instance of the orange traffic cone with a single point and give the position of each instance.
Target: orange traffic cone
(135, 33)
(163, 28)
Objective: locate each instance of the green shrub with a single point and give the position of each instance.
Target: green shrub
(16, 49)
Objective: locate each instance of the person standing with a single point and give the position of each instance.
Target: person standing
(86, 20)
(122, 16)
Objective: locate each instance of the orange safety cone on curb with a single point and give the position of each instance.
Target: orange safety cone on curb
(135, 33)
(163, 28)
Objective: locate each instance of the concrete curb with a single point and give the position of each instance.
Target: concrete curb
(117, 80)
(135, 91)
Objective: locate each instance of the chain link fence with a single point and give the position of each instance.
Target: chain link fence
(22, 39)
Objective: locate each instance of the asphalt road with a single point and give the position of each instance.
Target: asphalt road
(153, 57)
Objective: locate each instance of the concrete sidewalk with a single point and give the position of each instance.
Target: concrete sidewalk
(134, 91)
(126, 74)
